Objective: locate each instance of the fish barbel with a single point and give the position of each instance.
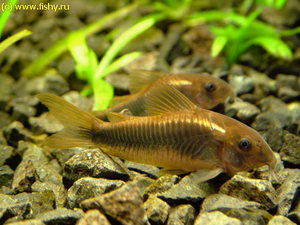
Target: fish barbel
(203, 90)
(177, 135)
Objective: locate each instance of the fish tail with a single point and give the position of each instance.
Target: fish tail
(79, 126)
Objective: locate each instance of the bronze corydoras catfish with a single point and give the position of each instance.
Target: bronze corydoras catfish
(177, 135)
(203, 90)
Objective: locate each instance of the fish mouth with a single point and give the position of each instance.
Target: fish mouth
(204, 101)
(272, 167)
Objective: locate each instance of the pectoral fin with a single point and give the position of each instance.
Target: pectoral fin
(205, 174)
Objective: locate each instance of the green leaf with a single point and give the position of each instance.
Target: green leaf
(60, 46)
(279, 4)
(103, 93)
(122, 61)
(124, 39)
(290, 32)
(85, 58)
(274, 46)
(8, 8)
(218, 45)
(12, 39)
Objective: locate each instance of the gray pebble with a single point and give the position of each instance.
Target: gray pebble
(45, 123)
(60, 216)
(150, 170)
(14, 212)
(88, 187)
(24, 177)
(290, 151)
(66, 66)
(273, 104)
(182, 215)
(5, 82)
(118, 80)
(6, 176)
(93, 163)
(287, 192)
(156, 210)
(15, 132)
(5, 153)
(188, 190)
(270, 127)
(294, 109)
(241, 84)
(23, 107)
(40, 159)
(57, 189)
(63, 155)
(93, 217)
(263, 172)
(216, 218)
(280, 220)
(221, 201)
(248, 216)
(295, 216)
(289, 87)
(124, 205)
(76, 99)
(268, 119)
(5, 119)
(244, 111)
(251, 189)
(26, 205)
(161, 185)
(263, 85)
(28, 222)
(142, 181)
(51, 82)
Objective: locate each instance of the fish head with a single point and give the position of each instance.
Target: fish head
(210, 91)
(245, 149)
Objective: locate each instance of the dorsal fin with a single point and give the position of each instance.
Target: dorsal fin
(165, 98)
(141, 78)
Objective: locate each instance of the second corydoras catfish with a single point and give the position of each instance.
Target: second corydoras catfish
(177, 135)
(203, 90)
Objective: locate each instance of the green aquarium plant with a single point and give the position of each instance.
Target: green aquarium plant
(8, 8)
(242, 32)
(279, 4)
(88, 68)
(3, 20)
(173, 9)
(12, 39)
(39, 64)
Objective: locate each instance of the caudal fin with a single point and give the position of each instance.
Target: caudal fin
(78, 125)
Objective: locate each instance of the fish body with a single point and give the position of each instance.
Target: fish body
(203, 90)
(177, 135)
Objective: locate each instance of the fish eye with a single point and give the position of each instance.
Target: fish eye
(210, 87)
(245, 144)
